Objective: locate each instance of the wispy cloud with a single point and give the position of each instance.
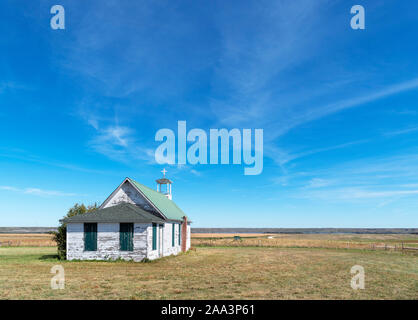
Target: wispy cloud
(118, 143)
(406, 112)
(380, 194)
(38, 192)
(261, 79)
(400, 132)
(315, 113)
(252, 62)
(195, 172)
(8, 188)
(282, 157)
(262, 69)
(318, 183)
(12, 85)
(389, 178)
(179, 170)
(112, 138)
(356, 194)
(23, 155)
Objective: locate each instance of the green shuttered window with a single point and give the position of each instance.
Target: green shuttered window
(173, 231)
(179, 234)
(90, 236)
(126, 236)
(154, 236)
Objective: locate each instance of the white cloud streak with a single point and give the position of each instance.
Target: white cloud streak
(119, 144)
(38, 192)
(401, 132)
(282, 157)
(356, 194)
(323, 111)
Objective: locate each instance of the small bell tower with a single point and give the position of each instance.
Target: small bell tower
(167, 182)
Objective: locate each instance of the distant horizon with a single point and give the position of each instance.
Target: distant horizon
(261, 230)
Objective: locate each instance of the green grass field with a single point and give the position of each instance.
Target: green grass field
(214, 273)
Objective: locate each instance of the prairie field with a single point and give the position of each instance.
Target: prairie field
(220, 272)
(338, 241)
(26, 240)
(347, 241)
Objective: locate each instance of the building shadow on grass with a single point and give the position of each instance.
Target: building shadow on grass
(49, 257)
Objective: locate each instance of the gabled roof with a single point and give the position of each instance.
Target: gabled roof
(124, 212)
(166, 206)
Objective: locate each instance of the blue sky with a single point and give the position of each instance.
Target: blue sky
(79, 108)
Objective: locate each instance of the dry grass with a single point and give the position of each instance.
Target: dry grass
(338, 241)
(230, 235)
(359, 241)
(27, 240)
(214, 273)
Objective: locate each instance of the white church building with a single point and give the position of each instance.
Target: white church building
(134, 223)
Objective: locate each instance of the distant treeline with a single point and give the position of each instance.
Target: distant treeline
(27, 229)
(308, 230)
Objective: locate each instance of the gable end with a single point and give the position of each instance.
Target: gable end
(127, 192)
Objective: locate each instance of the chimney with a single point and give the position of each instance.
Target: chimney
(184, 234)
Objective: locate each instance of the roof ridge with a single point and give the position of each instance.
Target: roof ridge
(143, 185)
(161, 202)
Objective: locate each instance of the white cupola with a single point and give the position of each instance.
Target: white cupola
(167, 182)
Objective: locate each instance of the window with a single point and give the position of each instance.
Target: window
(154, 236)
(90, 236)
(179, 234)
(173, 231)
(126, 237)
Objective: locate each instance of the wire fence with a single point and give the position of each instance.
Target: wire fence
(303, 243)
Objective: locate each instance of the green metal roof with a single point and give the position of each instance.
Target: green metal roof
(167, 207)
(125, 212)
